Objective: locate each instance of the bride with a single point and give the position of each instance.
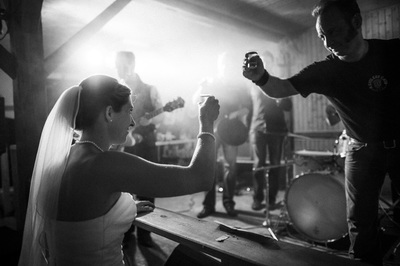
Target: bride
(80, 202)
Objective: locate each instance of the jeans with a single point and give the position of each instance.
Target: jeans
(366, 167)
(274, 143)
(229, 177)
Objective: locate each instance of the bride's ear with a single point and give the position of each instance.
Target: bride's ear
(109, 113)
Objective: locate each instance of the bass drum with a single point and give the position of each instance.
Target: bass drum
(316, 205)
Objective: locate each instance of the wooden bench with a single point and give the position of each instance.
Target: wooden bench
(200, 236)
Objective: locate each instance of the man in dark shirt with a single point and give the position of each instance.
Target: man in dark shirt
(361, 79)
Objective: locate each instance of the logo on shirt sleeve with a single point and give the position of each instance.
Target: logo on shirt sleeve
(377, 83)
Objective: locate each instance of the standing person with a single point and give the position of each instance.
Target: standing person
(80, 201)
(141, 140)
(267, 132)
(361, 80)
(235, 104)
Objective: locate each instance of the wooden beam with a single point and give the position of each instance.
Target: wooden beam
(29, 90)
(235, 15)
(70, 47)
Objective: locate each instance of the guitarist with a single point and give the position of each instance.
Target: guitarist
(141, 141)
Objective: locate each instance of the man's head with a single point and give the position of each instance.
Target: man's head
(339, 26)
(125, 64)
(229, 65)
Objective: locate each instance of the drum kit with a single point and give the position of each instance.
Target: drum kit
(314, 201)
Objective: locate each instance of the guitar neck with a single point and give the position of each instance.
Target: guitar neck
(170, 106)
(154, 113)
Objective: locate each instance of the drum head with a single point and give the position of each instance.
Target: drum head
(316, 206)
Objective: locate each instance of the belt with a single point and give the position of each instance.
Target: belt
(387, 144)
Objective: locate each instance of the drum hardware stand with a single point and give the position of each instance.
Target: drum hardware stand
(267, 222)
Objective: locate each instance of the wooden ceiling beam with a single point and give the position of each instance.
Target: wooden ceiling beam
(54, 60)
(240, 16)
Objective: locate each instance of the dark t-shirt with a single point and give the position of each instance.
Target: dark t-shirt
(365, 93)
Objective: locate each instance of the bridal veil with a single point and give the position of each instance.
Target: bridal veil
(51, 160)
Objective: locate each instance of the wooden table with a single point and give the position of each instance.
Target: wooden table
(200, 235)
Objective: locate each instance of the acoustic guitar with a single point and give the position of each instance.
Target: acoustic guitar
(231, 129)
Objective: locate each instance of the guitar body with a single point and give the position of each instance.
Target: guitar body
(232, 131)
(146, 133)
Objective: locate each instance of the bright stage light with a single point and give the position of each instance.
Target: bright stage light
(91, 57)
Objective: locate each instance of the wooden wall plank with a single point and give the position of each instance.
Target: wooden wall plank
(396, 21)
(381, 24)
(367, 28)
(375, 25)
(389, 23)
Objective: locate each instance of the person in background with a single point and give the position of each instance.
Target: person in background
(141, 140)
(267, 132)
(80, 203)
(360, 79)
(233, 94)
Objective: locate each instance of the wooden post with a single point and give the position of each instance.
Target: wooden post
(30, 105)
(29, 90)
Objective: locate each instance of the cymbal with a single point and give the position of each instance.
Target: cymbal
(289, 135)
(268, 167)
(297, 136)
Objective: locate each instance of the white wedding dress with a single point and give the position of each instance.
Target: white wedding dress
(96, 241)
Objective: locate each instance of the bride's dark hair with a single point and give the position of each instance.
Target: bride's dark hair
(98, 92)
